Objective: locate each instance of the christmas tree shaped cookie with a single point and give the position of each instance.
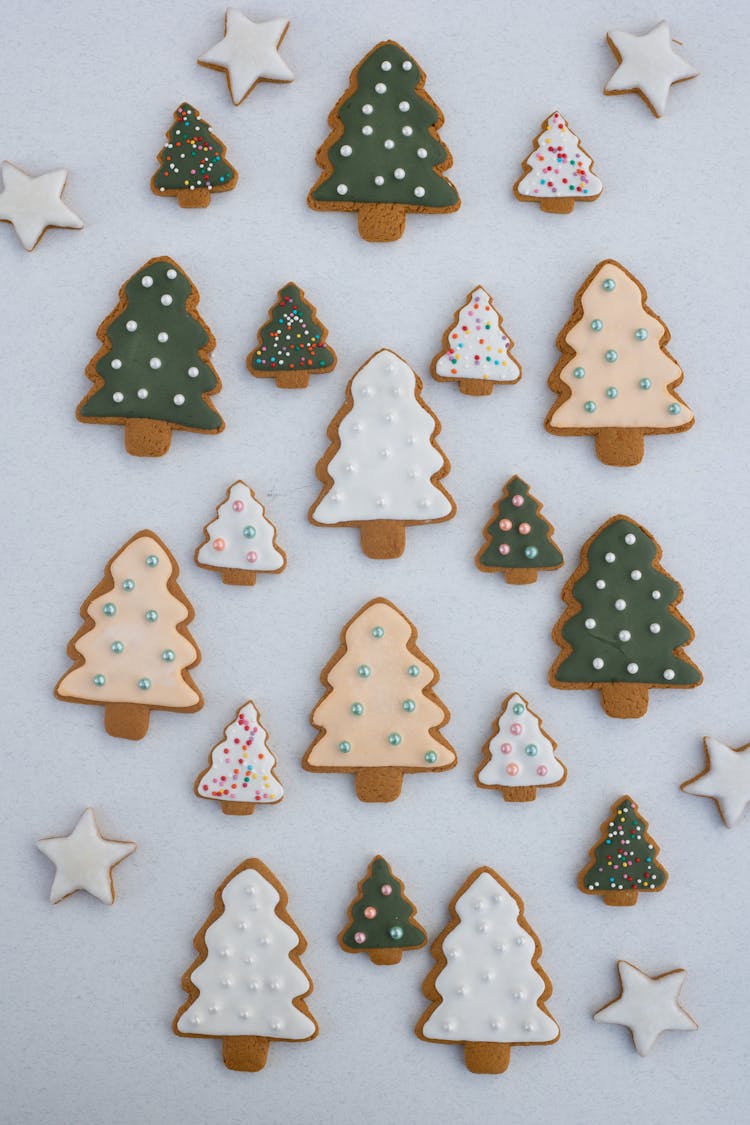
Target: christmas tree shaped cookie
(379, 717)
(241, 542)
(624, 861)
(383, 157)
(615, 379)
(476, 352)
(240, 772)
(382, 920)
(192, 165)
(384, 468)
(621, 631)
(248, 985)
(559, 173)
(133, 653)
(153, 373)
(520, 755)
(292, 343)
(487, 991)
(518, 539)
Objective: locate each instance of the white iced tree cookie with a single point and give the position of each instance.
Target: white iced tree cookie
(725, 779)
(559, 173)
(648, 66)
(487, 990)
(383, 469)
(647, 1006)
(241, 767)
(476, 352)
(520, 755)
(247, 985)
(241, 542)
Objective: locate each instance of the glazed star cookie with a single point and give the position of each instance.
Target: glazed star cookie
(383, 469)
(32, 204)
(621, 632)
(647, 1006)
(648, 66)
(248, 53)
(476, 352)
(518, 539)
(153, 373)
(84, 860)
(383, 157)
(559, 172)
(133, 653)
(519, 756)
(192, 164)
(247, 985)
(623, 862)
(382, 920)
(487, 990)
(240, 542)
(615, 379)
(292, 343)
(725, 779)
(240, 771)
(379, 717)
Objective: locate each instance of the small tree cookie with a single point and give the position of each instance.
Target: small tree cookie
(487, 991)
(248, 985)
(292, 343)
(624, 861)
(379, 717)
(241, 767)
(241, 542)
(133, 653)
(518, 539)
(621, 631)
(559, 173)
(615, 379)
(519, 756)
(192, 164)
(153, 372)
(383, 469)
(382, 920)
(476, 353)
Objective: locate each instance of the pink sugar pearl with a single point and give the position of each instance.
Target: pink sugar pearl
(238, 506)
(360, 938)
(386, 889)
(516, 728)
(370, 912)
(504, 549)
(517, 501)
(511, 769)
(252, 556)
(505, 525)
(506, 748)
(218, 544)
(524, 528)
(542, 771)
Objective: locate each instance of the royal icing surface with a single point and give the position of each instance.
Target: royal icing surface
(292, 339)
(648, 1006)
(134, 652)
(620, 373)
(381, 915)
(386, 459)
(489, 987)
(559, 166)
(241, 537)
(192, 157)
(33, 203)
(377, 712)
(249, 52)
(248, 981)
(242, 765)
(518, 536)
(726, 779)
(520, 752)
(625, 858)
(84, 860)
(649, 64)
(479, 349)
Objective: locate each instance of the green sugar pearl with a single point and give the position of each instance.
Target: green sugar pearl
(144, 684)
(168, 655)
(396, 933)
(151, 615)
(589, 407)
(530, 552)
(430, 757)
(408, 705)
(345, 747)
(412, 670)
(531, 750)
(597, 325)
(394, 739)
(364, 670)
(674, 408)
(357, 709)
(117, 647)
(128, 584)
(249, 532)
(611, 392)
(611, 355)
(378, 632)
(100, 681)
(578, 372)
(109, 609)
(641, 334)
(152, 560)
(518, 708)
(608, 284)
(645, 384)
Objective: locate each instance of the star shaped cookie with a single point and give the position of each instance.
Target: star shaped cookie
(84, 860)
(33, 203)
(726, 779)
(649, 66)
(647, 1005)
(249, 53)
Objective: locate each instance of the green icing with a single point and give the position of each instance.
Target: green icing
(292, 337)
(652, 650)
(391, 910)
(127, 367)
(192, 157)
(372, 153)
(539, 538)
(625, 860)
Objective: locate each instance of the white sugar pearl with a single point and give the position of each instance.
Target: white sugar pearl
(192, 372)
(385, 65)
(630, 539)
(163, 337)
(342, 189)
(171, 274)
(610, 557)
(116, 364)
(398, 173)
(419, 192)
(154, 363)
(621, 604)
(636, 575)
(143, 393)
(632, 668)
(404, 107)
(131, 325)
(179, 400)
(655, 595)
(367, 130)
(380, 87)
(367, 109)
(654, 627)
(623, 635)
(407, 130)
(118, 396)
(166, 299)
(597, 662)
(406, 65)
(668, 673)
(590, 623)
(147, 281)
(379, 180)
(601, 584)
(421, 153)
(389, 143)
(346, 150)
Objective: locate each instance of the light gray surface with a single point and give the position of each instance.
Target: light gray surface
(90, 991)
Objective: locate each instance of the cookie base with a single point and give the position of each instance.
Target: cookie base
(476, 387)
(625, 701)
(245, 1052)
(381, 222)
(620, 898)
(199, 197)
(559, 205)
(383, 539)
(487, 1058)
(620, 447)
(147, 437)
(378, 783)
(520, 576)
(385, 956)
(237, 808)
(518, 793)
(233, 576)
(292, 379)
(126, 720)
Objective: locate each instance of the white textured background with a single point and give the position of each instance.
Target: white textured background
(89, 991)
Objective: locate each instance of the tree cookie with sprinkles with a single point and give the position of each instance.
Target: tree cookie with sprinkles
(623, 862)
(383, 157)
(382, 920)
(240, 542)
(476, 352)
(292, 343)
(240, 773)
(192, 164)
(559, 173)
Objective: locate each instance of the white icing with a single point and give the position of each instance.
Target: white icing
(478, 348)
(84, 860)
(385, 413)
(242, 764)
(551, 173)
(726, 779)
(229, 526)
(648, 1006)
(490, 990)
(495, 772)
(249, 52)
(33, 203)
(247, 981)
(649, 64)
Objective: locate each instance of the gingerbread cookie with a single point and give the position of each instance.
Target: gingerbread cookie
(519, 757)
(725, 779)
(647, 1006)
(648, 65)
(623, 862)
(241, 542)
(559, 173)
(192, 164)
(33, 204)
(292, 343)
(382, 919)
(240, 773)
(476, 352)
(518, 539)
(84, 860)
(248, 53)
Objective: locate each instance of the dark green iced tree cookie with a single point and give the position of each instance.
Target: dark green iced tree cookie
(382, 919)
(624, 860)
(192, 164)
(518, 539)
(292, 343)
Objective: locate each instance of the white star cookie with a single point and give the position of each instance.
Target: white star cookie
(726, 779)
(647, 1006)
(649, 66)
(33, 203)
(84, 860)
(249, 53)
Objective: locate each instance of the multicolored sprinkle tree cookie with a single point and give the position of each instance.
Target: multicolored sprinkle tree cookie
(241, 542)
(519, 756)
(559, 173)
(292, 343)
(476, 351)
(518, 539)
(383, 157)
(192, 164)
(382, 920)
(624, 861)
(241, 767)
